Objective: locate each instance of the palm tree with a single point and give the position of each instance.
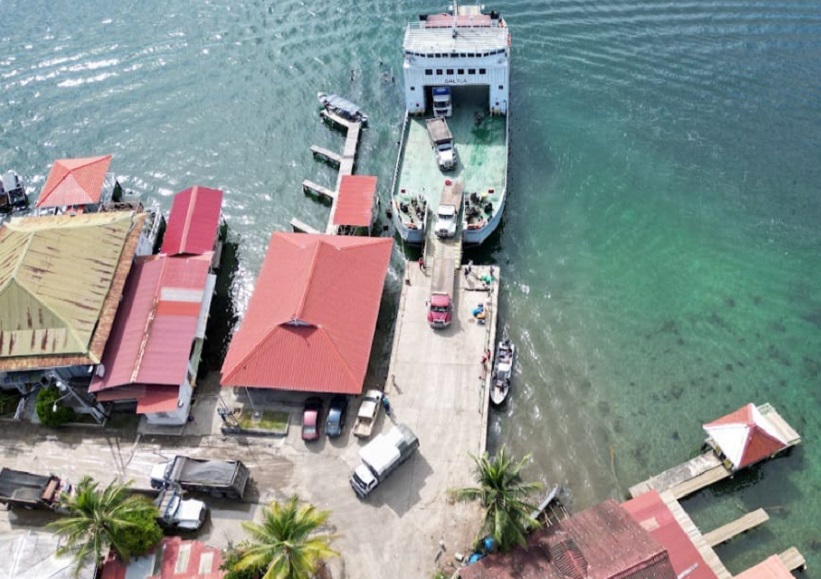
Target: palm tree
(284, 545)
(503, 495)
(99, 519)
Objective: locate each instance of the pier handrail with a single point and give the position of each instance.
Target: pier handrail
(399, 157)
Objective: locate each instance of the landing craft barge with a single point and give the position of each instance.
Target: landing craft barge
(456, 65)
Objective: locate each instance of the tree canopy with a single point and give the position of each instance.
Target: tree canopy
(504, 496)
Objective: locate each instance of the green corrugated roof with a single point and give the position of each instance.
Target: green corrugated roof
(55, 274)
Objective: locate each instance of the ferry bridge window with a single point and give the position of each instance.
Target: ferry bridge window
(428, 72)
(471, 71)
(460, 71)
(501, 87)
(438, 71)
(413, 88)
(482, 71)
(450, 71)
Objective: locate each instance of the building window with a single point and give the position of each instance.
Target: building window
(450, 71)
(471, 71)
(482, 71)
(428, 72)
(439, 71)
(460, 71)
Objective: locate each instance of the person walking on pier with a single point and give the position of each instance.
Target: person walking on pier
(422, 263)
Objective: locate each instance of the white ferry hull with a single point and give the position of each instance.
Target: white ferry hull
(415, 236)
(478, 236)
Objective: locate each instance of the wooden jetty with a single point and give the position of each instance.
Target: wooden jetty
(793, 559)
(344, 163)
(685, 478)
(710, 467)
(741, 525)
(688, 526)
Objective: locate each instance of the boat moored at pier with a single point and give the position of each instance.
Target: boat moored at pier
(456, 65)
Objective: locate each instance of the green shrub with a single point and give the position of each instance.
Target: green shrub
(46, 398)
(8, 402)
(143, 533)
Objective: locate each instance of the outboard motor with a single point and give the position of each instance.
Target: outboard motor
(403, 207)
(488, 207)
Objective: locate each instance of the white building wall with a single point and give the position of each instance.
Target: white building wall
(456, 72)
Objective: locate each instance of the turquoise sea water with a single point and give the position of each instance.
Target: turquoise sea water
(661, 242)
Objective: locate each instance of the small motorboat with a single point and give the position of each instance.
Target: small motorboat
(13, 197)
(342, 107)
(502, 371)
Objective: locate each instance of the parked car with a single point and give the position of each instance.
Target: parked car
(336, 416)
(311, 418)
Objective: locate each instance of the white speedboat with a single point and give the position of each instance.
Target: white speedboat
(502, 371)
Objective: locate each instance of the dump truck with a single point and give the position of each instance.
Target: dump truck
(442, 142)
(440, 305)
(219, 478)
(368, 412)
(32, 491)
(442, 106)
(449, 211)
(381, 457)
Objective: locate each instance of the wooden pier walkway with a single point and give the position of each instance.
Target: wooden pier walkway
(793, 559)
(741, 525)
(688, 526)
(685, 478)
(344, 162)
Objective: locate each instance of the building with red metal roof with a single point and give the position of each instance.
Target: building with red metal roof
(193, 224)
(311, 320)
(745, 437)
(602, 542)
(650, 511)
(75, 182)
(355, 201)
(154, 350)
(173, 558)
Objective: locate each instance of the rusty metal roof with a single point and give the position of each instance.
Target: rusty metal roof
(61, 279)
(602, 542)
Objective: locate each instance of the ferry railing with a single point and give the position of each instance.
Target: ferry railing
(398, 159)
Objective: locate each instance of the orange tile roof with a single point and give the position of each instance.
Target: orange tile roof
(74, 182)
(310, 323)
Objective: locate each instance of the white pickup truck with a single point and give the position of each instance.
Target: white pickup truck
(368, 412)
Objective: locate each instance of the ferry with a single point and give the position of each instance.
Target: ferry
(456, 66)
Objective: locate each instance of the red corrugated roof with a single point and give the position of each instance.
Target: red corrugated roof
(193, 223)
(771, 568)
(74, 182)
(180, 560)
(357, 194)
(742, 435)
(649, 511)
(159, 399)
(311, 319)
(603, 542)
(151, 340)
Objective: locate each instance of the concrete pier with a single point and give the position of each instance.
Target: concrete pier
(436, 377)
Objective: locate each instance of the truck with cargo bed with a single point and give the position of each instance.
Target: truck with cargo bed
(441, 140)
(381, 457)
(32, 491)
(219, 478)
(449, 212)
(440, 305)
(368, 413)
